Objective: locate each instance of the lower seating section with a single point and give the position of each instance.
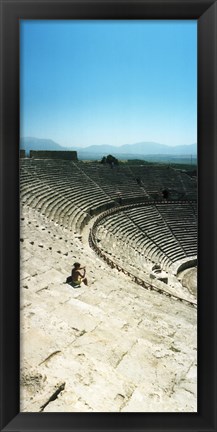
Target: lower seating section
(183, 227)
(154, 233)
(101, 343)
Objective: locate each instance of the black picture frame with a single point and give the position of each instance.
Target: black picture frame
(205, 11)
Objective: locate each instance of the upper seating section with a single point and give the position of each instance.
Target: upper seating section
(116, 182)
(69, 193)
(60, 191)
(145, 181)
(157, 178)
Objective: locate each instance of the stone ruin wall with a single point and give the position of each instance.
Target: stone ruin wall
(47, 154)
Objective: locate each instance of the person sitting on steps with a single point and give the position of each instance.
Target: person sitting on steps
(77, 277)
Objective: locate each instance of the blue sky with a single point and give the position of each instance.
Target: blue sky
(109, 82)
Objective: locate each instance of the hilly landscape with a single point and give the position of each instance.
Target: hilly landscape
(144, 150)
(28, 144)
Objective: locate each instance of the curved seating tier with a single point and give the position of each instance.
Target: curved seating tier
(115, 182)
(70, 193)
(161, 233)
(61, 191)
(122, 179)
(95, 338)
(155, 178)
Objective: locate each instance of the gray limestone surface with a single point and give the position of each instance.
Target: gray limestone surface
(111, 346)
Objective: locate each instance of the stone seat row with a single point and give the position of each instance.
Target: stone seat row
(63, 210)
(59, 200)
(130, 253)
(157, 242)
(51, 190)
(137, 239)
(150, 251)
(122, 177)
(161, 177)
(183, 228)
(110, 181)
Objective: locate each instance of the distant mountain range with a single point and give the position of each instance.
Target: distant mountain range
(138, 149)
(143, 148)
(28, 144)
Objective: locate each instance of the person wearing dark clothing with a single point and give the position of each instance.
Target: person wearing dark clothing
(165, 193)
(138, 179)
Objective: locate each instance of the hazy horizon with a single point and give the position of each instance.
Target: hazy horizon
(86, 83)
(107, 144)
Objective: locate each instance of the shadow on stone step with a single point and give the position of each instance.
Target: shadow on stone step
(72, 284)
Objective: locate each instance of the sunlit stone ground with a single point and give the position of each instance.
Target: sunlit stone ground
(109, 347)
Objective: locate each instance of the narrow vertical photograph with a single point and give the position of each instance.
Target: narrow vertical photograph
(108, 216)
